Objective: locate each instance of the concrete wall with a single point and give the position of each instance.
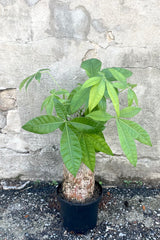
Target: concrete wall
(59, 34)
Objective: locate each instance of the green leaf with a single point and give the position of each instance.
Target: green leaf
(48, 104)
(29, 81)
(62, 91)
(24, 81)
(73, 92)
(108, 75)
(44, 69)
(60, 109)
(99, 116)
(136, 131)
(119, 85)
(38, 76)
(125, 72)
(79, 98)
(106, 95)
(100, 144)
(91, 81)
(101, 135)
(127, 143)
(96, 94)
(88, 152)
(70, 149)
(111, 77)
(132, 97)
(135, 98)
(132, 85)
(52, 91)
(129, 112)
(102, 104)
(114, 97)
(43, 124)
(117, 75)
(87, 125)
(91, 66)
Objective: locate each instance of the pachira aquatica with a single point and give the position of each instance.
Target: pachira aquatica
(82, 115)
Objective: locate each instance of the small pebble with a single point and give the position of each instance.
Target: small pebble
(122, 235)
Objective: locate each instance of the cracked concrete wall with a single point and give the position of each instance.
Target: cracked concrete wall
(59, 34)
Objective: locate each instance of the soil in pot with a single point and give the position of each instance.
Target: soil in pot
(80, 217)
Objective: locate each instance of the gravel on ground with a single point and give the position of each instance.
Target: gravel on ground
(30, 211)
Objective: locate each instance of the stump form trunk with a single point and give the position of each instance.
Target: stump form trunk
(81, 187)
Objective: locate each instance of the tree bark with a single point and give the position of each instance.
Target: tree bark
(81, 187)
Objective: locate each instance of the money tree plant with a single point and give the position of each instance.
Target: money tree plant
(81, 115)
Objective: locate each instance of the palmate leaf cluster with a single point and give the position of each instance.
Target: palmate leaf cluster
(82, 115)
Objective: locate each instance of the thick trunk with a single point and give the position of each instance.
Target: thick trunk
(80, 187)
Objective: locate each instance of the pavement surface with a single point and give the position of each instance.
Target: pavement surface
(30, 211)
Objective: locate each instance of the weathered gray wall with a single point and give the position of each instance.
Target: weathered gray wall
(60, 34)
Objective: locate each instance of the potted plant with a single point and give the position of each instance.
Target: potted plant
(81, 115)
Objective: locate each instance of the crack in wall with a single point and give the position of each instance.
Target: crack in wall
(16, 151)
(139, 158)
(7, 89)
(143, 67)
(98, 44)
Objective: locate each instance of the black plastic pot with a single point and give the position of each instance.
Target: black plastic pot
(79, 217)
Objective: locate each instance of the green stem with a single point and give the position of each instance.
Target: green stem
(53, 79)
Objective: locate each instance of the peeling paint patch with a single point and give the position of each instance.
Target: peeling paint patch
(98, 25)
(7, 99)
(31, 2)
(6, 3)
(13, 122)
(66, 23)
(2, 120)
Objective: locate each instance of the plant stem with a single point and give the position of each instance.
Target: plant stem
(58, 86)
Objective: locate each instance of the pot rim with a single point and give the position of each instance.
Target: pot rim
(73, 203)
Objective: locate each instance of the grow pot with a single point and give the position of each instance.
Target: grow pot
(79, 217)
